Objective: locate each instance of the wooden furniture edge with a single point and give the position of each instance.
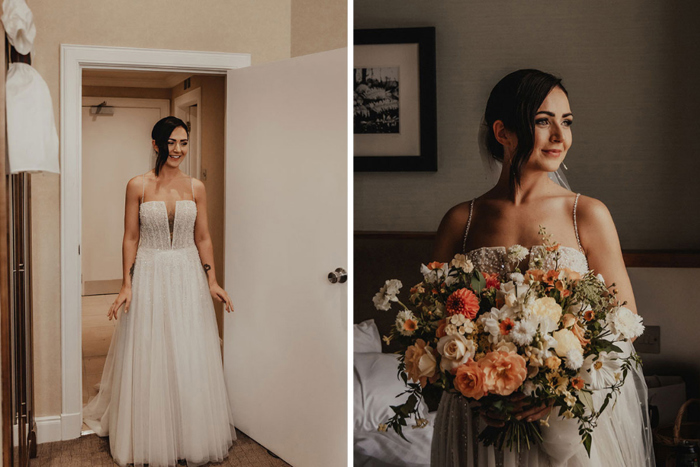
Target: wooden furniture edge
(633, 258)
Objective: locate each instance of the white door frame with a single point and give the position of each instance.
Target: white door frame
(74, 58)
(193, 97)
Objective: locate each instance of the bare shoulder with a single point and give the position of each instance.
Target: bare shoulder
(198, 187)
(135, 185)
(592, 212)
(456, 216)
(595, 223)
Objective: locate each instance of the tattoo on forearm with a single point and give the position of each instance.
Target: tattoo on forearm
(206, 268)
(131, 271)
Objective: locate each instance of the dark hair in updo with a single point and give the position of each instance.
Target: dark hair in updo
(161, 134)
(514, 101)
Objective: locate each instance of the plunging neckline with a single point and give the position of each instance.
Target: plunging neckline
(167, 218)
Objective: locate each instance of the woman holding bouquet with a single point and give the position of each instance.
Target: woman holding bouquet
(527, 133)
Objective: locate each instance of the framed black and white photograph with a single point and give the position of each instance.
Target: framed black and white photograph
(394, 110)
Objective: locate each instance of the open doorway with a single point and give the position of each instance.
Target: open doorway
(119, 109)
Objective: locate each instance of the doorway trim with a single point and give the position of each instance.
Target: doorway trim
(75, 58)
(193, 97)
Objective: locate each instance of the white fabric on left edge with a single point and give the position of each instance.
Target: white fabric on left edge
(32, 141)
(19, 26)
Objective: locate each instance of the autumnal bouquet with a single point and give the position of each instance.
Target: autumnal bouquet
(545, 337)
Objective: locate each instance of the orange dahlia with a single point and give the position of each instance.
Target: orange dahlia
(464, 302)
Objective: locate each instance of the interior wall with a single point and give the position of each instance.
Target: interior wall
(261, 28)
(318, 25)
(630, 68)
(120, 91)
(212, 116)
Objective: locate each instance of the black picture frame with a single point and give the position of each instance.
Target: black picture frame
(426, 160)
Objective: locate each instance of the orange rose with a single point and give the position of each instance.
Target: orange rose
(440, 332)
(469, 380)
(421, 364)
(504, 372)
(435, 265)
(464, 302)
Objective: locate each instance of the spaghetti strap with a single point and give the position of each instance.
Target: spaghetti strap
(143, 188)
(192, 187)
(578, 240)
(466, 231)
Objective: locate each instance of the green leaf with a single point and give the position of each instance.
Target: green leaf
(587, 443)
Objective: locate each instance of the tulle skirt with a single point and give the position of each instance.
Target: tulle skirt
(621, 439)
(162, 395)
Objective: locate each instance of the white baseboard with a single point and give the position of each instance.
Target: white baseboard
(71, 424)
(48, 429)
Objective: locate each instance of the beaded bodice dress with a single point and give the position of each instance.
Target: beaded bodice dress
(163, 398)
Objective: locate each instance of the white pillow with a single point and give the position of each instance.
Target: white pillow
(366, 338)
(376, 378)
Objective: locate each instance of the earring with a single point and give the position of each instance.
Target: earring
(565, 167)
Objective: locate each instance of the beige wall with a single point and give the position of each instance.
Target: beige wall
(630, 67)
(261, 28)
(137, 93)
(212, 120)
(318, 25)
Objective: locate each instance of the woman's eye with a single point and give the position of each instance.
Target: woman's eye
(568, 122)
(541, 121)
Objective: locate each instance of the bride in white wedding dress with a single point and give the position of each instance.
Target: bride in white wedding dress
(528, 130)
(162, 398)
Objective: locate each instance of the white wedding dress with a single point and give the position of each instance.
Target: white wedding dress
(621, 439)
(162, 396)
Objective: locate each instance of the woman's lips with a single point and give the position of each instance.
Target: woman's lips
(552, 152)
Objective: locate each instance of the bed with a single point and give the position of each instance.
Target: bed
(375, 388)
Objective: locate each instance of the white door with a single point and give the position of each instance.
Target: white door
(286, 229)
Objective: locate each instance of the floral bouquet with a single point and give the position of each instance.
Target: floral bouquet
(539, 338)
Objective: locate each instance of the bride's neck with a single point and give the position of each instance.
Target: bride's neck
(533, 185)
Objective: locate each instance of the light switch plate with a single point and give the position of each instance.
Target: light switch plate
(650, 341)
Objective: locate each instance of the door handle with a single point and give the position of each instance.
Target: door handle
(339, 275)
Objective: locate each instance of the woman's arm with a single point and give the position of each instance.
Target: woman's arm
(130, 244)
(450, 234)
(601, 243)
(204, 245)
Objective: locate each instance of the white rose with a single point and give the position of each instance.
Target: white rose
(547, 313)
(506, 347)
(624, 323)
(427, 364)
(455, 350)
(566, 340)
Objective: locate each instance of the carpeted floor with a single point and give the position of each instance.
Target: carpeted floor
(91, 450)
